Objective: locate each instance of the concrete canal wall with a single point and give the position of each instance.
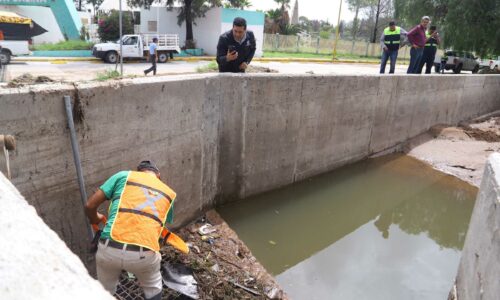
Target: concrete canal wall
(479, 271)
(220, 137)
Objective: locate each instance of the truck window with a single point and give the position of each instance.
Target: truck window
(130, 41)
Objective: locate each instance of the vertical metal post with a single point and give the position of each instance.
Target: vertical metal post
(317, 44)
(76, 158)
(298, 43)
(121, 35)
(337, 33)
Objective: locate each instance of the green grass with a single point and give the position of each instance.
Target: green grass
(273, 54)
(211, 67)
(65, 45)
(108, 74)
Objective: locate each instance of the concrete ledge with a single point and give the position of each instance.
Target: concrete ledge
(34, 262)
(479, 271)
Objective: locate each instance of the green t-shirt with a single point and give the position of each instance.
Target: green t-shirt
(113, 189)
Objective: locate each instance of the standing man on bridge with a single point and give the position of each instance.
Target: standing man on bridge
(236, 48)
(140, 206)
(430, 50)
(390, 41)
(417, 38)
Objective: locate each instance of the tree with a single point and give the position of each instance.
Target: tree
(95, 5)
(108, 26)
(465, 25)
(238, 4)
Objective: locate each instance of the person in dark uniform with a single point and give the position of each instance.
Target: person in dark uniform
(236, 48)
(429, 50)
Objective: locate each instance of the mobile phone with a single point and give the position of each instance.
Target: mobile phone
(232, 48)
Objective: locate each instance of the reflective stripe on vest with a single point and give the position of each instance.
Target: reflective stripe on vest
(392, 37)
(142, 211)
(431, 42)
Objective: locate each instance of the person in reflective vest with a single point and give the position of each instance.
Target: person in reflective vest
(140, 205)
(390, 41)
(430, 50)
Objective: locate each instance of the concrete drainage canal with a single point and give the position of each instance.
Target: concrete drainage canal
(382, 228)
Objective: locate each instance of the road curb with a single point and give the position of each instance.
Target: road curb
(199, 58)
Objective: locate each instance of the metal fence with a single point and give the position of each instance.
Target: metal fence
(318, 45)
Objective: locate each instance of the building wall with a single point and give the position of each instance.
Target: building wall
(44, 17)
(207, 30)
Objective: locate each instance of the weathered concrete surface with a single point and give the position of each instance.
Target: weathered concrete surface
(34, 262)
(479, 271)
(221, 137)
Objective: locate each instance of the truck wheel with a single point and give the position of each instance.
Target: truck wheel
(111, 57)
(4, 57)
(162, 57)
(437, 68)
(476, 69)
(457, 69)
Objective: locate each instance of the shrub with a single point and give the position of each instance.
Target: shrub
(108, 28)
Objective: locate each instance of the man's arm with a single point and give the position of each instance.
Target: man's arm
(253, 47)
(91, 207)
(222, 51)
(411, 36)
(382, 41)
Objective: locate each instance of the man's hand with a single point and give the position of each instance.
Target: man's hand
(91, 207)
(243, 66)
(386, 49)
(415, 46)
(231, 55)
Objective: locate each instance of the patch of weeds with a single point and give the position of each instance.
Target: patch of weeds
(211, 67)
(108, 74)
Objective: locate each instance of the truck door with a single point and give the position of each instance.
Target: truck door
(131, 47)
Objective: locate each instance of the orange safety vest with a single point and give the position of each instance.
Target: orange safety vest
(142, 211)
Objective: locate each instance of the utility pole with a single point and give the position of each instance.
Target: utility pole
(337, 33)
(121, 42)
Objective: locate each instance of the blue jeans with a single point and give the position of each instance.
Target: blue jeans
(393, 55)
(415, 58)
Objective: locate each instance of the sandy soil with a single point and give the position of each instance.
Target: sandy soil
(461, 151)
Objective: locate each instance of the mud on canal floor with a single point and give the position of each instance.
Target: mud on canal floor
(222, 265)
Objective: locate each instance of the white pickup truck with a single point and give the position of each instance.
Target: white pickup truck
(137, 46)
(12, 48)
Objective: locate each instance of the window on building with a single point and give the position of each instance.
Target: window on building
(152, 26)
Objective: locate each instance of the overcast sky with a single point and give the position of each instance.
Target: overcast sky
(312, 9)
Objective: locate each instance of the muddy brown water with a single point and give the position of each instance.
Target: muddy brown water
(385, 228)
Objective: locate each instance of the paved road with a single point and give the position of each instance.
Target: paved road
(84, 70)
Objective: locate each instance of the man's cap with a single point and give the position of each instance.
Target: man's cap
(392, 23)
(148, 165)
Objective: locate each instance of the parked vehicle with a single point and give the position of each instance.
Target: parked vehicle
(489, 63)
(137, 46)
(12, 48)
(457, 61)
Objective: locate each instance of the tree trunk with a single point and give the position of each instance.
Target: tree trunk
(354, 28)
(374, 37)
(189, 23)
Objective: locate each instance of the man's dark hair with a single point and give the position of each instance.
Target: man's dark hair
(433, 27)
(392, 23)
(155, 40)
(148, 165)
(240, 22)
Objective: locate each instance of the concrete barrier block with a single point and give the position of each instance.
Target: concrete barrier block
(479, 271)
(34, 262)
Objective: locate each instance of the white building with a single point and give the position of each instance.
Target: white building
(207, 30)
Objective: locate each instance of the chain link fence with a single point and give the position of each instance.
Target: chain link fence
(318, 45)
